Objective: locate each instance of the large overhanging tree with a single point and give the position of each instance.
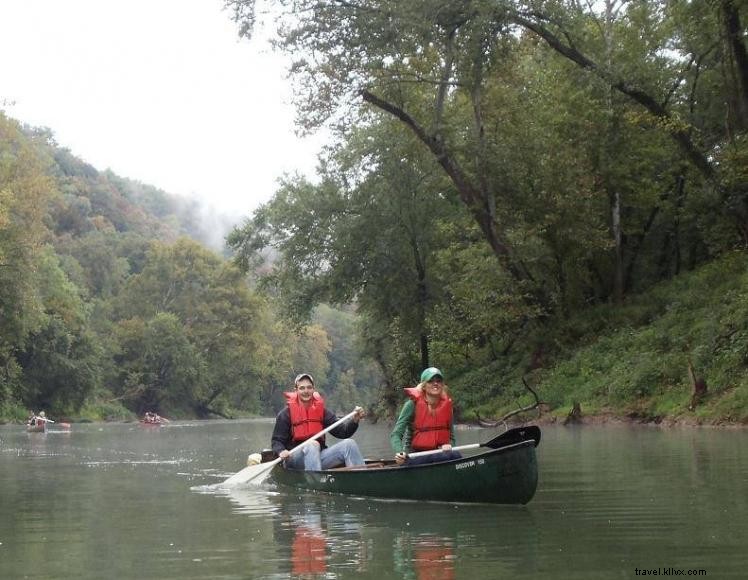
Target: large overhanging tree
(428, 62)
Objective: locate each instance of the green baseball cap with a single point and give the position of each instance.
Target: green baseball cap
(430, 373)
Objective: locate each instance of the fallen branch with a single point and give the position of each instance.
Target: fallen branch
(535, 405)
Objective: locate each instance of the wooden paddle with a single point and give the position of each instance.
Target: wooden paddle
(509, 437)
(256, 474)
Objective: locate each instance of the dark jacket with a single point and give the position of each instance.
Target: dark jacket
(282, 432)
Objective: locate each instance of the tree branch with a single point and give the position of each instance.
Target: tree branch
(468, 192)
(681, 135)
(535, 405)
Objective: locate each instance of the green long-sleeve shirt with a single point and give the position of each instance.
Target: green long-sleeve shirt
(402, 432)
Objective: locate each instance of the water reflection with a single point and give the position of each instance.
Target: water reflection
(309, 547)
(609, 500)
(317, 534)
(429, 557)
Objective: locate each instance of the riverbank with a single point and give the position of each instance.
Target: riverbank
(612, 418)
(675, 354)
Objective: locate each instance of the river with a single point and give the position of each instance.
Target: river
(126, 501)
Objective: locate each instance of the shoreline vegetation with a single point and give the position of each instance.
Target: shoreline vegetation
(674, 356)
(544, 419)
(606, 419)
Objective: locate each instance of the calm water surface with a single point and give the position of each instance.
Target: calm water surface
(125, 501)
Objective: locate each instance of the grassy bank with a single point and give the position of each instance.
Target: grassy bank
(632, 360)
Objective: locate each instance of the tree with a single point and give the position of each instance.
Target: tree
(359, 236)
(213, 321)
(60, 360)
(159, 368)
(24, 191)
(434, 65)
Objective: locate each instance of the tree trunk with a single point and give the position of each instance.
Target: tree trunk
(470, 195)
(738, 58)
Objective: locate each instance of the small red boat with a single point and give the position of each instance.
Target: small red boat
(153, 420)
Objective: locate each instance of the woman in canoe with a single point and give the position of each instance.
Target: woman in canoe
(425, 422)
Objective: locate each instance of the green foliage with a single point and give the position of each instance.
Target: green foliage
(61, 359)
(62, 306)
(100, 410)
(158, 365)
(357, 236)
(199, 321)
(353, 378)
(25, 189)
(638, 364)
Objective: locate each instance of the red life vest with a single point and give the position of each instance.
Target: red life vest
(305, 421)
(431, 430)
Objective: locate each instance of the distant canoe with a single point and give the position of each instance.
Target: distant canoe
(36, 427)
(505, 475)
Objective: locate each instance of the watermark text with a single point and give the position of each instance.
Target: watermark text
(668, 572)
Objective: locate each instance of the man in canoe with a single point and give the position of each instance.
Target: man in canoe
(304, 416)
(425, 422)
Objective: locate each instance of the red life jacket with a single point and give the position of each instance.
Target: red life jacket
(305, 421)
(430, 430)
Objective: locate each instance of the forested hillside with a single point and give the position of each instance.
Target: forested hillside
(110, 305)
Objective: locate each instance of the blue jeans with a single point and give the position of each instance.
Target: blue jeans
(310, 458)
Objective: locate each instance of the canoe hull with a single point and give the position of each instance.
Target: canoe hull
(508, 475)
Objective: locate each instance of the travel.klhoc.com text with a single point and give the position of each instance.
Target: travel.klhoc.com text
(668, 572)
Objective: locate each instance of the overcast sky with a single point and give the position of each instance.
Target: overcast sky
(161, 91)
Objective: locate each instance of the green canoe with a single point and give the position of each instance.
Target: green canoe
(506, 473)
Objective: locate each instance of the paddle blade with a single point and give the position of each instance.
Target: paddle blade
(254, 474)
(516, 435)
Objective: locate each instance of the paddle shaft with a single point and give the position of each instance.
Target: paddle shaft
(255, 471)
(506, 438)
(432, 451)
